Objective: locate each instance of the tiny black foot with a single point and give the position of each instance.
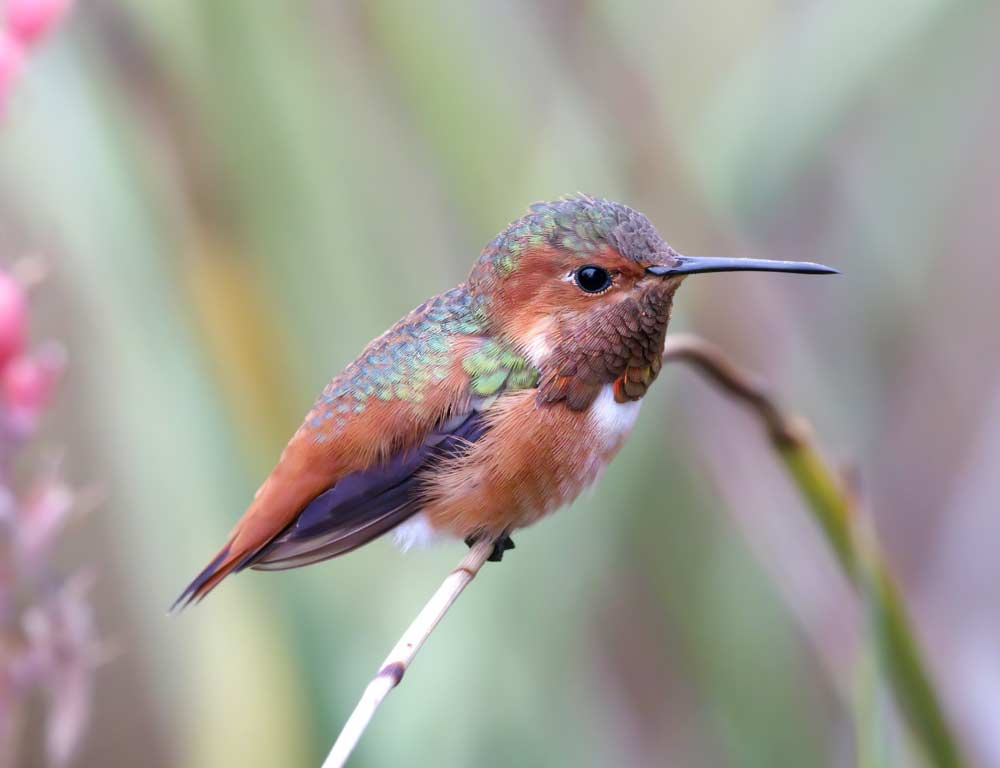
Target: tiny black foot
(500, 545)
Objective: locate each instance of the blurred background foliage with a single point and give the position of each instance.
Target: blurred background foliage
(235, 196)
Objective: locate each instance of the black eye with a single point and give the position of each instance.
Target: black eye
(593, 279)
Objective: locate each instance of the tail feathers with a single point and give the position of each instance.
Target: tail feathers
(220, 567)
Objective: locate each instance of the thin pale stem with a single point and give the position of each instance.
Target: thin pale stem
(401, 656)
(834, 507)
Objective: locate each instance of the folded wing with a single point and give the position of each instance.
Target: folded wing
(353, 469)
(365, 504)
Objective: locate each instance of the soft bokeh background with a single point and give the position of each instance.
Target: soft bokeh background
(234, 197)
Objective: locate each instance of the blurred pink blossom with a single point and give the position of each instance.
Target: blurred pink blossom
(42, 517)
(30, 20)
(13, 304)
(23, 26)
(26, 385)
(47, 640)
(60, 635)
(11, 62)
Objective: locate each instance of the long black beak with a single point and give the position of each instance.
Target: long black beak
(690, 265)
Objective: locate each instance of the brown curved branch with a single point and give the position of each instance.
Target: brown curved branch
(834, 506)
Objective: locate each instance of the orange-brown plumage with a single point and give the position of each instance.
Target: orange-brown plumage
(488, 406)
(530, 462)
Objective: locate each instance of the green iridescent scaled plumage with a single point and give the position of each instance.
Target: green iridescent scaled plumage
(495, 367)
(579, 224)
(401, 364)
(415, 354)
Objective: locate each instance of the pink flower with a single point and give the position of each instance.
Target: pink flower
(47, 640)
(13, 303)
(11, 62)
(30, 20)
(27, 383)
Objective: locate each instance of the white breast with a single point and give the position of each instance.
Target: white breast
(611, 419)
(415, 533)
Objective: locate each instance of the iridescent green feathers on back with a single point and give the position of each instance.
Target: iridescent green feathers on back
(496, 367)
(416, 353)
(401, 364)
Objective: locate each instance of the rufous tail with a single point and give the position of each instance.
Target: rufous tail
(221, 566)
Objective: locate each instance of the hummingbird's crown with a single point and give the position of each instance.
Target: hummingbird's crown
(579, 224)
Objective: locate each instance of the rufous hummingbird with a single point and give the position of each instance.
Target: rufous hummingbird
(488, 406)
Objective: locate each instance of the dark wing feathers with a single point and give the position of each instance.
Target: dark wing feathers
(193, 589)
(364, 504)
(361, 507)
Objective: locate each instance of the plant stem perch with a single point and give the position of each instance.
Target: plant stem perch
(402, 655)
(834, 507)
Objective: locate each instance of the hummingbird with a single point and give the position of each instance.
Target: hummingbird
(488, 406)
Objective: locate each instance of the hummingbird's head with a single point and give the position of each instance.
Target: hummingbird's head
(581, 268)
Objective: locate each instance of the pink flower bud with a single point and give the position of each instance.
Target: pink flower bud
(30, 20)
(26, 384)
(13, 303)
